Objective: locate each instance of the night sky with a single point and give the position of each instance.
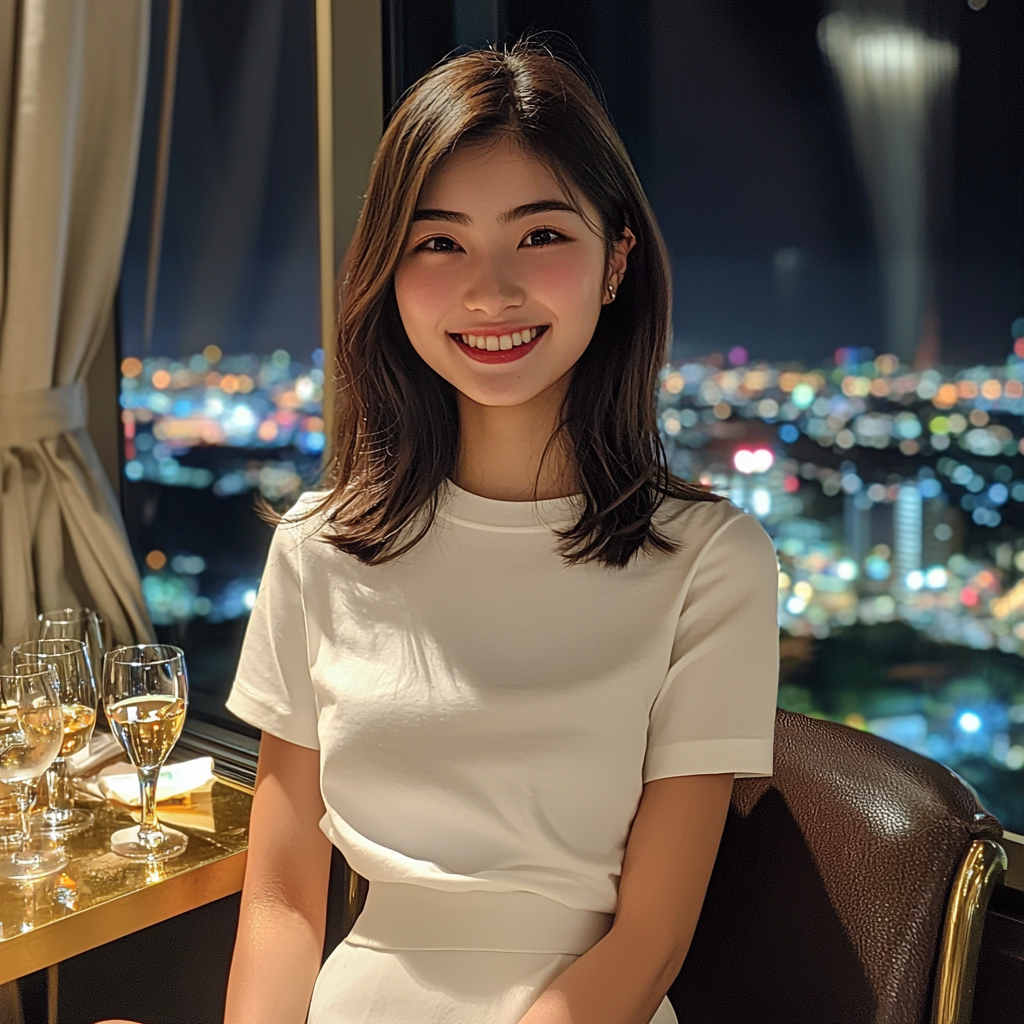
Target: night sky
(733, 117)
(737, 126)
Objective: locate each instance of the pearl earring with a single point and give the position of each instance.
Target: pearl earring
(611, 292)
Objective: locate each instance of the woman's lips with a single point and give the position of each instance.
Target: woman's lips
(499, 348)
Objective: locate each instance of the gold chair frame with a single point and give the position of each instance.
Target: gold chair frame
(980, 871)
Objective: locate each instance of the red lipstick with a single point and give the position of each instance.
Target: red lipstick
(483, 355)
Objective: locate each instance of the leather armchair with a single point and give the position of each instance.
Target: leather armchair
(850, 887)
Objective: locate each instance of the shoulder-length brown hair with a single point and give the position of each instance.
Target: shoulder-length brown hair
(396, 435)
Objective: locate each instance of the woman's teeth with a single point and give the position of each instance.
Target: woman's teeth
(502, 342)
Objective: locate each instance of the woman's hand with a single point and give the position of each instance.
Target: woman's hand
(671, 851)
(284, 897)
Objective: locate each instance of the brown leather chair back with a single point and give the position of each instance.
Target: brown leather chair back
(828, 897)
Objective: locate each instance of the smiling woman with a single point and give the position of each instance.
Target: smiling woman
(501, 201)
(503, 304)
(508, 665)
(497, 273)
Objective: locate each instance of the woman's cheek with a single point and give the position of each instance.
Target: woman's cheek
(422, 295)
(566, 287)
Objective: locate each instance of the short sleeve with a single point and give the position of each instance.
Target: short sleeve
(273, 690)
(715, 713)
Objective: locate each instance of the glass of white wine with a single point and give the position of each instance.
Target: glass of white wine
(145, 696)
(31, 733)
(77, 691)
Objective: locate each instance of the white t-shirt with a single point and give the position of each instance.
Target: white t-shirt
(487, 715)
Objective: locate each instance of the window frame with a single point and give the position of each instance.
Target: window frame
(349, 122)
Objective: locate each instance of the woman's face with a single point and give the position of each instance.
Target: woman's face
(501, 283)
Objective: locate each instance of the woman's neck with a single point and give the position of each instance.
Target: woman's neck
(502, 449)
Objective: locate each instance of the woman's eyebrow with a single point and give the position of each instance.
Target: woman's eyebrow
(448, 215)
(518, 212)
(542, 206)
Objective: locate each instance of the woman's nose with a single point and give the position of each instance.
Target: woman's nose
(493, 291)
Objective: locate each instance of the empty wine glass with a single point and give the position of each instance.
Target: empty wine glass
(76, 689)
(145, 696)
(31, 733)
(75, 624)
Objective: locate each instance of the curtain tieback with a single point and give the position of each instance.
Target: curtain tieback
(29, 416)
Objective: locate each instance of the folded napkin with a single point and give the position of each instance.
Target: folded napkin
(101, 748)
(120, 782)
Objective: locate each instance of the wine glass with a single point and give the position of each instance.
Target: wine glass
(76, 688)
(75, 624)
(145, 696)
(31, 733)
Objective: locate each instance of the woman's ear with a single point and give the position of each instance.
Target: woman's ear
(617, 264)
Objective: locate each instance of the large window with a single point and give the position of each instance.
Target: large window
(221, 372)
(841, 189)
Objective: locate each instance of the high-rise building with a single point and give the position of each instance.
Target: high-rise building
(908, 530)
(856, 528)
(941, 531)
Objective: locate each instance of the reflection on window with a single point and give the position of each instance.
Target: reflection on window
(221, 373)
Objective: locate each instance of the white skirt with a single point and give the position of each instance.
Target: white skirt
(423, 956)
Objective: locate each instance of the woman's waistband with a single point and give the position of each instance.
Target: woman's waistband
(402, 916)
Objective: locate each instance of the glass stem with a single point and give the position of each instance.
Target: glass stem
(149, 829)
(56, 786)
(23, 794)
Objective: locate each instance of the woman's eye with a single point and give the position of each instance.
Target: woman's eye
(543, 236)
(439, 244)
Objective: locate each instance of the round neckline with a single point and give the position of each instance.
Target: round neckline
(462, 506)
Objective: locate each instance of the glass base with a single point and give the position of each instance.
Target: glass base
(36, 859)
(125, 843)
(62, 823)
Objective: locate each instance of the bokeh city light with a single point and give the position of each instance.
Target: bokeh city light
(894, 497)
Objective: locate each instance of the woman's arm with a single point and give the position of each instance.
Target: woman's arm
(671, 851)
(284, 897)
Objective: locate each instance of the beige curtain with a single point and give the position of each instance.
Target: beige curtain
(72, 82)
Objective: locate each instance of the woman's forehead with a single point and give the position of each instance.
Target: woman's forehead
(491, 173)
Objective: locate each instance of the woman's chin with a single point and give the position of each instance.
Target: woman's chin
(497, 397)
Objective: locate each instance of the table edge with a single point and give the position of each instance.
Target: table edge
(58, 940)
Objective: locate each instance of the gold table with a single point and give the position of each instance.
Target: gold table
(100, 897)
